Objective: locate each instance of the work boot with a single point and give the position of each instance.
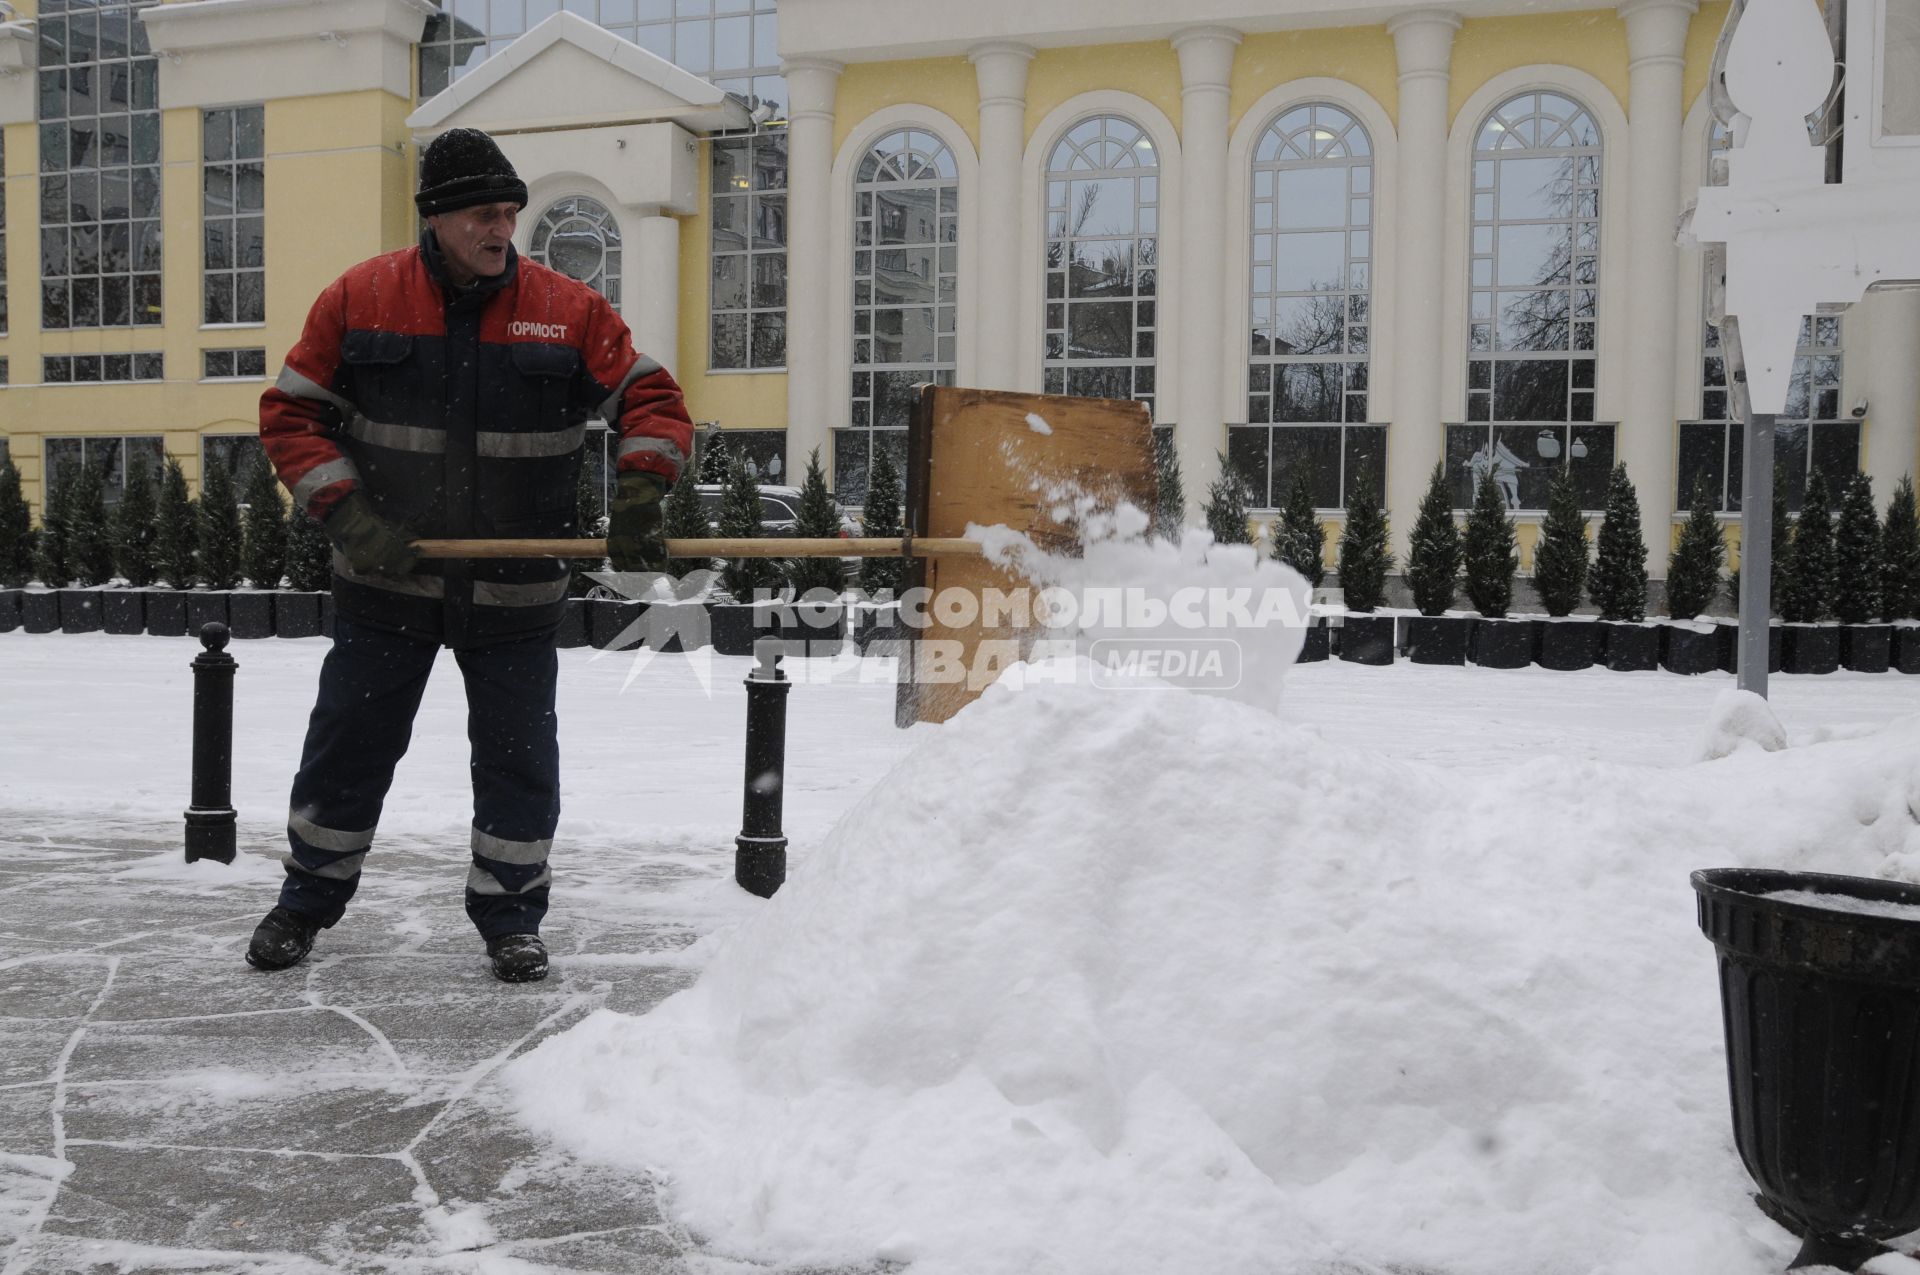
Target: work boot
(518, 958)
(284, 938)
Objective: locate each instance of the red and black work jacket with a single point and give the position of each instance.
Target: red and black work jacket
(462, 412)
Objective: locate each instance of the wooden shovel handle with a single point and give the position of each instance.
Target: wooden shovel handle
(753, 547)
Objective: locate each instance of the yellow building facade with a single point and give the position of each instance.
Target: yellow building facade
(742, 181)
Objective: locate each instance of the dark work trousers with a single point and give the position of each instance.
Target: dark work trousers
(370, 688)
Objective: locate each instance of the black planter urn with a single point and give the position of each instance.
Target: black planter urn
(1319, 644)
(250, 613)
(573, 624)
(1366, 639)
(1630, 648)
(1729, 635)
(205, 607)
(1438, 639)
(1866, 648)
(297, 614)
(615, 624)
(80, 611)
(1503, 643)
(1809, 648)
(1906, 648)
(123, 611)
(1685, 649)
(39, 610)
(9, 610)
(166, 613)
(1567, 644)
(1820, 1003)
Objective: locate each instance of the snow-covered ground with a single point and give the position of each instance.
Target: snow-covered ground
(1103, 981)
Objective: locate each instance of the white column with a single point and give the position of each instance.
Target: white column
(812, 84)
(1423, 47)
(1891, 321)
(1001, 69)
(1656, 47)
(656, 269)
(1206, 74)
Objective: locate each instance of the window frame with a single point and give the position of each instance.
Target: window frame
(1058, 257)
(943, 276)
(114, 475)
(69, 65)
(236, 127)
(761, 206)
(603, 220)
(1585, 282)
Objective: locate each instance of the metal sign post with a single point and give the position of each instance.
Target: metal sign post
(1756, 555)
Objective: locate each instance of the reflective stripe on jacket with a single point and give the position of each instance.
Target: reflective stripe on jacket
(462, 413)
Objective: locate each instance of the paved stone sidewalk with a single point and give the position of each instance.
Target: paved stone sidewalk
(164, 1107)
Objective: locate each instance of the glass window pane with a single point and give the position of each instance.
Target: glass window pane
(1366, 458)
(1310, 262)
(1307, 392)
(1247, 447)
(1314, 451)
(1530, 390)
(1702, 459)
(1312, 198)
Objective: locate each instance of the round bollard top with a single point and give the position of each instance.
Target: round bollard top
(1870, 931)
(214, 635)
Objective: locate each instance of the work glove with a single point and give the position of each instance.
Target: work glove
(634, 542)
(369, 542)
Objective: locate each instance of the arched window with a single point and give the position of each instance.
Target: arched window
(1311, 281)
(906, 232)
(1534, 304)
(579, 238)
(1103, 227)
(1814, 432)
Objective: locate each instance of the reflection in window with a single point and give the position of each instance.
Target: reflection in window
(1333, 457)
(906, 234)
(233, 185)
(579, 238)
(64, 458)
(749, 299)
(735, 44)
(1522, 459)
(99, 166)
(1103, 225)
(1534, 265)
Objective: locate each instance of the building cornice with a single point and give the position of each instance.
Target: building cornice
(862, 31)
(217, 51)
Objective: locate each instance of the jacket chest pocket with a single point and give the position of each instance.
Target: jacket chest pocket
(384, 377)
(543, 386)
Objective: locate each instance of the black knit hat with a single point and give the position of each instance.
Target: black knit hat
(463, 168)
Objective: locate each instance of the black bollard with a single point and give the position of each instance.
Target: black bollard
(760, 851)
(210, 831)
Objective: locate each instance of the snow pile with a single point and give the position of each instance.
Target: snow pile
(1740, 719)
(1100, 982)
(1214, 618)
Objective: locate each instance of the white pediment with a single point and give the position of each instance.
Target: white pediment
(569, 73)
